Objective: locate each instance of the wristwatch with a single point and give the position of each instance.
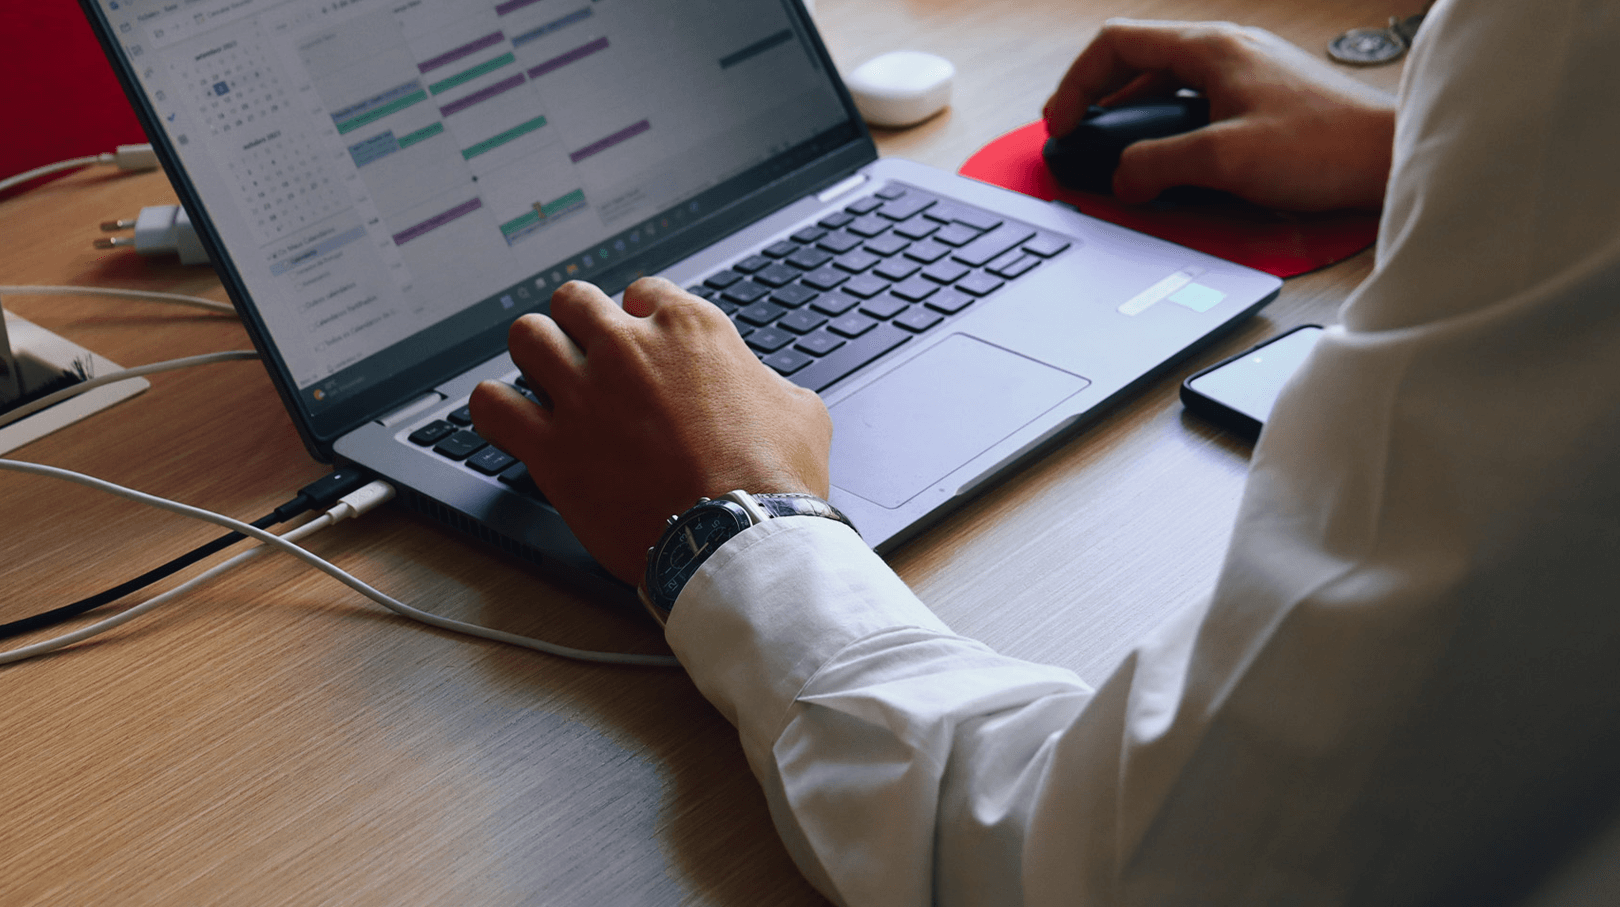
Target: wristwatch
(689, 539)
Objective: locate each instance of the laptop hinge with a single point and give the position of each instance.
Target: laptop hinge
(414, 408)
(839, 188)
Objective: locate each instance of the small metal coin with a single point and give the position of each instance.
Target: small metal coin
(1367, 46)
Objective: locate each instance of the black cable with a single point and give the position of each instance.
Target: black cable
(320, 494)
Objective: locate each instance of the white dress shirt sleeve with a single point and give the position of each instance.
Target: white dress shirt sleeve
(1402, 689)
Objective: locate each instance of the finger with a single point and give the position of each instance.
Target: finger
(548, 357)
(1122, 51)
(584, 312)
(511, 421)
(1147, 86)
(1194, 158)
(648, 294)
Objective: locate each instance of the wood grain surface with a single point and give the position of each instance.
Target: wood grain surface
(275, 739)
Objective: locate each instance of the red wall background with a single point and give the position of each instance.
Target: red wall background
(62, 99)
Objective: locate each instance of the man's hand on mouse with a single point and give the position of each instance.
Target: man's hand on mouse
(651, 406)
(1287, 130)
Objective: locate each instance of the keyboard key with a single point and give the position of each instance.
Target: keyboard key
(819, 344)
(949, 300)
(1017, 267)
(839, 242)
(1006, 258)
(462, 416)
(809, 259)
(891, 192)
(956, 235)
(864, 206)
(865, 286)
(700, 290)
(834, 303)
(460, 445)
(906, 207)
(1046, 245)
(916, 289)
(973, 217)
(927, 251)
(896, 269)
(916, 228)
(760, 313)
(835, 220)
(852, 325)
(868, 226)
(780, 249)
(946, 272)
(517, 477)
(888, 245)
(992, 244)
(490, 460)
(802, 322)
(918, 318)
(745, 292)
(723, 279)
(979, 284)
(809, 234)
(777, 275)
(831, 368)
(769, 340)
(793, 296)
(431, 433)
(884, 307)
(787, 362)
(751, 264)
(857, 261)
(824, 278)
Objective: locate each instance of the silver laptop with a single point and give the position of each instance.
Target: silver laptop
(384, 185)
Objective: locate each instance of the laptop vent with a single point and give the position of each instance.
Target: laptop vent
(460, 522)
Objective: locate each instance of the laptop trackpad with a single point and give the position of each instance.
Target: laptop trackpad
(916, 425)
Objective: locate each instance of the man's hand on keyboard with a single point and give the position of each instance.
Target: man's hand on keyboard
(651, 406)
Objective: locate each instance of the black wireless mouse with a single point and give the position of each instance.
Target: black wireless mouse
(1085, 159)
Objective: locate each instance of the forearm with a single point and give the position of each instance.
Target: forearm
(856, 705)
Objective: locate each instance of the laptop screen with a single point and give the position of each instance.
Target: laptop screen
(393, 181)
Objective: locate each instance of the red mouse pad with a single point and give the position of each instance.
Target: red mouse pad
(1277, 242)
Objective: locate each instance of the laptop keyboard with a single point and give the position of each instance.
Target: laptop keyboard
(860, 282)
(832, 297)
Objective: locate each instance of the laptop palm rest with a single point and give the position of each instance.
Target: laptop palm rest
(919, 423)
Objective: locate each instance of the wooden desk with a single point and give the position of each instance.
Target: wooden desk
(275, 739)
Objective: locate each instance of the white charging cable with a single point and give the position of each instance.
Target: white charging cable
(127, 157)
(342, 576)
(90, 384)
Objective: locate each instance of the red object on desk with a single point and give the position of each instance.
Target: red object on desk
(1277, 242)
(64, 100)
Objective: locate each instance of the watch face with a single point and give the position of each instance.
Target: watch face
(687, 544)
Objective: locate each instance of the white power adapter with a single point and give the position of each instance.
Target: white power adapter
(159, 230)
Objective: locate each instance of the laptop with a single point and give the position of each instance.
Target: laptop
(385, 185)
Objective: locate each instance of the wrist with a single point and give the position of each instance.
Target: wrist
(691, 538)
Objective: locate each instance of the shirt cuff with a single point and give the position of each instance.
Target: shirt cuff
(774, 604)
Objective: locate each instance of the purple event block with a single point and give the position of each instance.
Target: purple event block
(462, 51)
(601, 145)
(437, 220)
(578, 53)
(483, 94)
(502, 9)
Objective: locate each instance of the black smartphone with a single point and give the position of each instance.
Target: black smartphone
(1238, 393)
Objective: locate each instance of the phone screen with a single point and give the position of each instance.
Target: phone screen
(1248, 384)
